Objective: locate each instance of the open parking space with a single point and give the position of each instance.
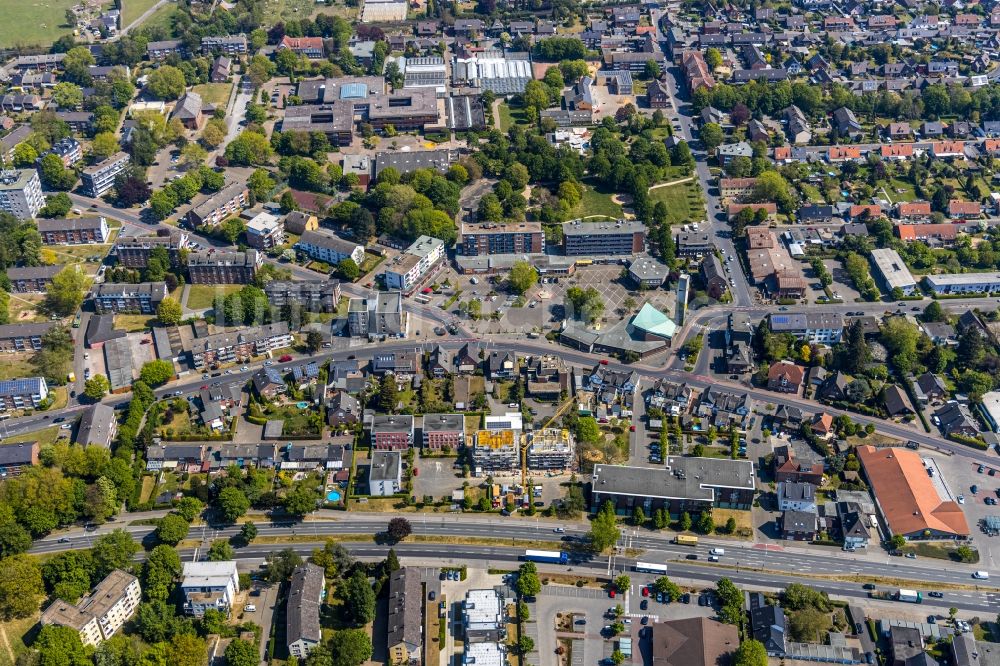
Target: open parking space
(842, 283)
(437, 477)
(959, 474)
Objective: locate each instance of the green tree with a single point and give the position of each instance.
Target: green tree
(104, 145)
(96, 387)
(242, 653)
(160, 572)
(260, 184)
(523, 275)
(528, 584)
(711, 136)
(684, 524)
(301, 500)
(113, 551)
(525, 644)
(156, 373)
(169, 311)
(248, 149)
(248, 532)
(359, 599)
(622, 583)
(604, 530)
(387, 395)
(57, 205)
(751, 653)
(166, 82)
(587, 430)
(21, 586)
(188, 650)
(232, 503)
(65, 293)
(189, 507)
(14, 539)
(350, 647)
(706, 525)
(76, 65)
(348, 270)
(220, 551)
(24, 155)
(713, 58)
(172, 529)
(665, 586)
(314, 341)
(60, 646)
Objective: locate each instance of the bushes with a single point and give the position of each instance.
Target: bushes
(969, 441)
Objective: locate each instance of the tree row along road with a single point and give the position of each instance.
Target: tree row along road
(658, 545)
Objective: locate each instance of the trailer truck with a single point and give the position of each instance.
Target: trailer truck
(548, 556)
(906, 596)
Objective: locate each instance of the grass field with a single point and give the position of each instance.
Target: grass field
(133, 9)
(43, 437)
(283, 10)
(22, 308)
(16, 365)
(131, 322)
(596, 202)
(161, 17)
(17, 633)
(683, 202)
(33, 22)
(214, 93)
(203, 296)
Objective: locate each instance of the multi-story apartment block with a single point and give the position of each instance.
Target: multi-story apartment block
(68, 150)
(100, 178)
(814, 327)
(380, 316)
(312, 295)
(306, 593)
(31, 279)
(228, 44)
(498, 445)
(239, 346)
(551, 448)
(405, 617)
(440, 430)
(135, 252)
(310, 47)
(27, 393)
(21, 193)
(385, 475)
(330, 249)
(391, 432)
(23, 337)
(79, 231)
(157, 51)
(99, 615)
(265, 231)
(406, 270)
(731, 189)
(129, 298)
(582, 238)
(517, 238)
(207, 585)
(225, 203)
(209, 267)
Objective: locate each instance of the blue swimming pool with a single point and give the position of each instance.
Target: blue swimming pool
(333, 496)
(302, 405)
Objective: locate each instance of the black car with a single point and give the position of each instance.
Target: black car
(868, 586)
(936, 595)
(644, 604)
(703, 600)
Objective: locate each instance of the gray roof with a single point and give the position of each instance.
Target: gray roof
(32, 272)
(385, 466)
(96, 426)
(76, 224)
(444, 422)
(305, 595)
(684, 478)
(792, 321)
(405, 607)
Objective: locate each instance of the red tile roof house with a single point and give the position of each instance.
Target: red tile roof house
(785, 377)
(310, 47)
(964, 209)
(913, 209)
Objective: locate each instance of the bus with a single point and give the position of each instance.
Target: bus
(584, 262)
(686, 540)
(548, 556)
(649, 567)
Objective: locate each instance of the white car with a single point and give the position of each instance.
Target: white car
(559, 530)
(250, 608)
(66, 426)
(178, 392)
(961, 499)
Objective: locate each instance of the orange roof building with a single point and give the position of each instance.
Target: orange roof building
(907, 497)
(843, 153)
(914, 232)
(897, 151)
(874, 211)
(914, 209)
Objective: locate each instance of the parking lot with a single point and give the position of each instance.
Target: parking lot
(959, 475)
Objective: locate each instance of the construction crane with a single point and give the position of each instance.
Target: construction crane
(524, 444)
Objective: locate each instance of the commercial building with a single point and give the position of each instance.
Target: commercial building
(209, 267)
(406, 270)
(23, 337)
(385, 476)
(127, 298)
(550, 448)
(73, 231)
(225, 203)
(265, 231)
(27, 393)
(408, 162)
(239, 346)
(484, 654)
(305, 599)
(693, 641)
(513, 238)
(378, 317)
(21, 193)
(623, 237)
(484, 618)
(134, 252)
(440, 430)
(405, 619)
(491, 69)
(812, 327)
(964, 283)
(405, 110)
(311, 295)
(207, 585)
(100, 178)
(99, 615)
(893, 271)
(693, 245)
(907, 496)
(98, 426)
(117, 360)
(686, 484)
(330, 249)
(31, 279)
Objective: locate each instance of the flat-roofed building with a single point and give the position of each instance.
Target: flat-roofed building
(648, 273)
(622, 237)
(408, 162)
(378, 317)
(100, 178)
(76, 231)
(101, 614)
(310, 295)
(228, 44)
(813, 327)
(128, 298)
(118, 362)
(893, 271)
(512, 238)
(484, 618)
(405, 618)
(206, 267)
(21, 193)
(550, 448)
(407, 269)
(239, 346)
(265, 231)
(440, 430)
(391, 431)
(385, 476)
(964, 283)
(686, 484)
(207, 585)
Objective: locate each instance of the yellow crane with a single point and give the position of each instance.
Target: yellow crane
(524, 444)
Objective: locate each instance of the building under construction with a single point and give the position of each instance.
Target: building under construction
(551, 448)
(495, 449)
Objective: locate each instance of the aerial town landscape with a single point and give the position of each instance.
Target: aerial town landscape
(499, 333)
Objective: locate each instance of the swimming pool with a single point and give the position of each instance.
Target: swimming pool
(302, 405)
(333, 496)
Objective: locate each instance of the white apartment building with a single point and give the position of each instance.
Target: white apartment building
(21, 193)
(207, 585)
(100, 614)
(405, 271)
(814, 327)
(964, 283)
(100, 178)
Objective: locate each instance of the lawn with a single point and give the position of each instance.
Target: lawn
(683, 202)
(21, 308)
(132, 322)
(133, 9)
(510, 116)
(33, 22)
(17, 635)
(214, 93)
(370, 262)
(43, 437)
(148, 486)
(283, 10)
(202, 296)
(297, 421)
(15, 366)
(596, 202)
(162, 17)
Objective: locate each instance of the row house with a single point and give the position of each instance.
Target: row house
(78, 231)
(27, 393)
(239, 346)
(127, 298)
(23, 337)
(31, 279)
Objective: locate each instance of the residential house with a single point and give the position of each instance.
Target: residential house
(796, 496)
(100, 614)
(207, 585)
(785, 377)
(306, 593)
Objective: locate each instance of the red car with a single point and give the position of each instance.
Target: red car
(285, 358)
(204, 387)
(611, 592)
(426, 290)
(645, 591)
(631, 428)
(604, 361)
